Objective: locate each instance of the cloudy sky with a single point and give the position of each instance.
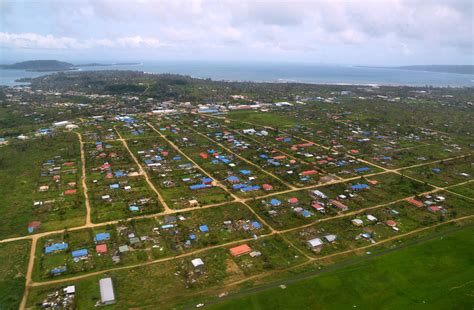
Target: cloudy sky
(366, 32)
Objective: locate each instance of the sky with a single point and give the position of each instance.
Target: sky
(358, 32)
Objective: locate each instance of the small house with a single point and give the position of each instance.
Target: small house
(240, 250)
(314, 243)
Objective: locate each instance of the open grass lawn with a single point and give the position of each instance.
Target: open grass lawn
(464, 189)
(445, 173)
(14, 259)
(433, 275)
(24, 168)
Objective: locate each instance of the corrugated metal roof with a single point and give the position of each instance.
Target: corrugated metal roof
(106, 290)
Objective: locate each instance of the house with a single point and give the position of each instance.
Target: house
(362, 169)
(330, 238)
(80, 253)
(308, 172)
(415, 202)
(339, 205)
(255, 254)
(314, 243)
(256, 225)
(371, 218)
(275, 202)
(357, 222)
(70, 192)
(56, 247)
(233, 179)
(391, 223)
(193, 203)
(319, 194)
(107, 296)
(316, 205)
(358, 187)
(123, 248)
(293, 200)
(197, 262)
(58, 270)
(33, 225)
(240, 250)
(101, 248)
(267, 187)
(434, 209)
(101, 237)
(204, 228)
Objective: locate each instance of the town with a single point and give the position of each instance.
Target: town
(127, 189)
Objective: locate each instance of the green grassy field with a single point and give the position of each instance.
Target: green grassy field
(13, 258)
(439, 278)
(21, 167)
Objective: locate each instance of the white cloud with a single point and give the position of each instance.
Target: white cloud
(32, 40)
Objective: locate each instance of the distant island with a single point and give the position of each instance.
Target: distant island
(459, 69)
(54, 65)
(40, 66)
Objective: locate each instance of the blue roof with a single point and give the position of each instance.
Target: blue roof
(250, 188)
(437, 170)
(58, 270)
(206, 180)
(362, 169)
(359, 186)
(56, 247)
(119, 173)
(134, 208)
(177, 157)
(102, 236)
(233, 178)
(306, 213)
(198, 186)
(245, 172)
(114, 186)
(256, 225)
(79, 253)
(275, 202)
(238, 186)
(204, 228)
(192, 236)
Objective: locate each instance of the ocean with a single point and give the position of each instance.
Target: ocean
(279, 72)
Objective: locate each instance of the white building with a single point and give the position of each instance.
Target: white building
(313, 243)
(107, 295)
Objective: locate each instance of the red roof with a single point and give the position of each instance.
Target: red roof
(309, 172)
(69, 163)
(203, 155)
(279, 157)
(391, 223)
(70, 192)
(434, 208)
(293, 200)
(339, 205)
(267, 187)
(354, 151)
(101, 248)
(415, 202)
(34, 224)
(316, 205)
(240, 250)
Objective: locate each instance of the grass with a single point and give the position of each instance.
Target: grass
(434, 275)
(21, 166)
(14, 258)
